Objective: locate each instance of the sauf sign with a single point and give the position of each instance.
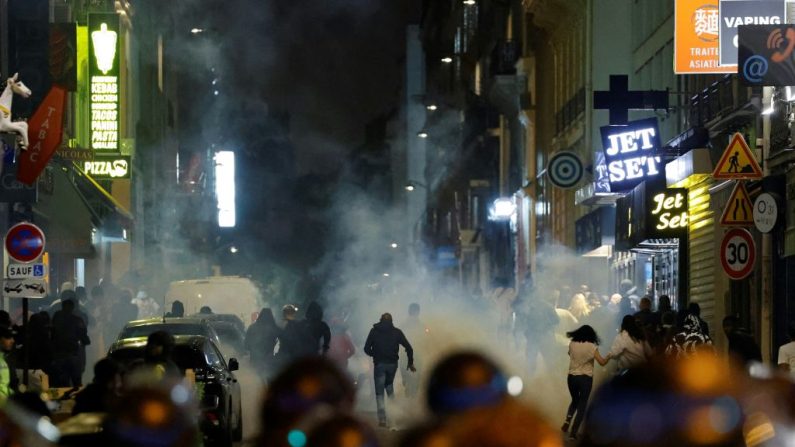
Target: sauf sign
(631, 153)
(103, 40)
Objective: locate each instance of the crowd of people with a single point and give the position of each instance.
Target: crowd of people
(66, 332)
(655, 352)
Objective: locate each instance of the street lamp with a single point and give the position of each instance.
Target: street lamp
(196, 30)
(431, 107)
(422, 134)
(233, 249)
(503, 208)
(470, 2)
(412, 185)
(393, 245)
(447, 60)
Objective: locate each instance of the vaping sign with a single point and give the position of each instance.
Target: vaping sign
(103, 33)
(734, 13)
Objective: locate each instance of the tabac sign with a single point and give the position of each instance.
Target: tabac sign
(103, 48)
(631, 153)
(108, 168)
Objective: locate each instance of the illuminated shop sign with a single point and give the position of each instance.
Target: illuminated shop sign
(651, 211)
(667, 215)
(697, 37)
(108, 168)
(104, 81)
(631, 153)
(734, 13)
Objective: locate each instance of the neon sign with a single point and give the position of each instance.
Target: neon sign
(670, 210)
(631, 153)
(104, 81)
(108, 168)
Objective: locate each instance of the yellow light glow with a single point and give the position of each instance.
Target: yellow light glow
(104, 42)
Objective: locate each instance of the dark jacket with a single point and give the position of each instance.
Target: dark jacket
(743, 346)
(92, 399)
(384, 341)
(261, 340)
(295, 341)
(317, 327)
(68, 334)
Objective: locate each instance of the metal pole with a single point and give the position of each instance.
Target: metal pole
(767, 243)
(26, 345)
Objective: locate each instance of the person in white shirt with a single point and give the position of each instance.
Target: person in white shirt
(786, 353)
(583, 350)
(629, 347)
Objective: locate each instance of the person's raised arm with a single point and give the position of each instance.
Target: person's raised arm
(409, 350)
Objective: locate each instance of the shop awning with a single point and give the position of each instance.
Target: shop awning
(66, 220)
(90, 189)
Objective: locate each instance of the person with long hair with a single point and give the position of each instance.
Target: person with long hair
(629, 347)
(583, 350)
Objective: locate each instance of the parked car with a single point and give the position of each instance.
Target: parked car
(226, 318)
(223, 294)
(136, 330)
(221, 421)
(233, 339)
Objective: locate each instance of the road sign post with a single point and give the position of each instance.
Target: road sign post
(739, 208)
(24, 243)
(765, 212)
(738, 253)
(737, 162)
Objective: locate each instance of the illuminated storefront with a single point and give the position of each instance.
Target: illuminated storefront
(104, 81)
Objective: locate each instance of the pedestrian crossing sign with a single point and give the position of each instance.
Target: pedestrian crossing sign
(737, 162)
(739, 210)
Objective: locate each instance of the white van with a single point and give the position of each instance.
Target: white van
(223, 294)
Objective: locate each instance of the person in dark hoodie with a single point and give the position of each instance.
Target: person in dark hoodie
(260, 342)
(383, 344)
(318, 329)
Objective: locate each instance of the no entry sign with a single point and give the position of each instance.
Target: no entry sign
(24, 242)
(738, 253)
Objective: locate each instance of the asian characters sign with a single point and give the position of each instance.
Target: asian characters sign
(108, 168)
(631, 153)
(667, 213)
(697, 37)
(104, 59)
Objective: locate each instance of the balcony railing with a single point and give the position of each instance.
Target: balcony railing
(570, 111)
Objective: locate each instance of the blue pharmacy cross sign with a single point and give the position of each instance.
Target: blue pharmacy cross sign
(24, 242)
(619, 100)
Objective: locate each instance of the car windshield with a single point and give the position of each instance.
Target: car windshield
(184, 356)
(173, 329)
(227, 333)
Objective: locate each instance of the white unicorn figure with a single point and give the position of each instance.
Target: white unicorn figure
(18, 127)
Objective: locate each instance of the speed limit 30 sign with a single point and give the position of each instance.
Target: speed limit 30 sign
(738, 253)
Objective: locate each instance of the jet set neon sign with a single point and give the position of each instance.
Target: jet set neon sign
(631, 153)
